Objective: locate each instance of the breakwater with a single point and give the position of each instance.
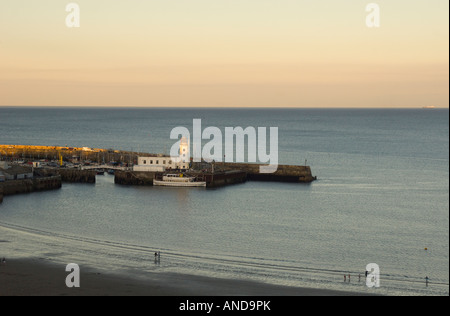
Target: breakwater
(46, 179)
(69, 175)
(219, 179)
(134, 177)
(29, 185)
(284, 173)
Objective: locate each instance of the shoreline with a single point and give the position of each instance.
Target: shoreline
(41, 277)
(33, 270)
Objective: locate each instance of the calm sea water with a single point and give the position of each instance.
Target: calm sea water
(382, 197)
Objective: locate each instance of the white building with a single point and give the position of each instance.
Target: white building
(163, 163)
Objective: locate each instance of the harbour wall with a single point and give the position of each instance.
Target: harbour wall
(69, 175)
(134, 177)
(29, 185)
(224, 178)
(284, 173)
(46, 179)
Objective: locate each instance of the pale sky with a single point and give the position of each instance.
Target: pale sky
(201, 53)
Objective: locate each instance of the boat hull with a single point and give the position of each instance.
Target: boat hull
(178, 184)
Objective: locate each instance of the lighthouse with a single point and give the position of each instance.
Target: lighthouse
(185, 155)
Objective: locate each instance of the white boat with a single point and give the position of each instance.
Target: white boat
(178, 180)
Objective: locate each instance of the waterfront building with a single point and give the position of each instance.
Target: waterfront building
(162, 163)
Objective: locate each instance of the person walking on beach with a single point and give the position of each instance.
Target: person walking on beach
(157, 256)
(427, 279)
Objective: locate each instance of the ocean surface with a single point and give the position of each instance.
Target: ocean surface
(382, 196)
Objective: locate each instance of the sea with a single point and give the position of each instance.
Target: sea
(381, 197)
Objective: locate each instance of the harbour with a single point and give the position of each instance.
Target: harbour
(82, 165)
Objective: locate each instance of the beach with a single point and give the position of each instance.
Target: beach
(36, 266)
(40, 277)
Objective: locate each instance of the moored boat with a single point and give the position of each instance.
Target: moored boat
(179, 180)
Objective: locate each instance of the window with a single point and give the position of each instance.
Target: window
(164, 162)
(157, 162)
(145, 162)
(151, 162)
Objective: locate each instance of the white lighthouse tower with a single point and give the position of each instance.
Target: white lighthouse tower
(185, 155)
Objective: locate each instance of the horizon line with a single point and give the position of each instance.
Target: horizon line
(223, 107)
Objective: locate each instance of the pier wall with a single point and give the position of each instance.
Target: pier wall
(134, 177)
(284, 173)
(225, 178)
(69, 175)
(29, 185)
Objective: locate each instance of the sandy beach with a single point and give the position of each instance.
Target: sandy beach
(38, 277)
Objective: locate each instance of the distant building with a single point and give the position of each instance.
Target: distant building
(163, 163)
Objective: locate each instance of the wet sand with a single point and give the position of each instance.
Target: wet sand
(39, 277)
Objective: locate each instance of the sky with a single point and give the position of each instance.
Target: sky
(224, 53)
